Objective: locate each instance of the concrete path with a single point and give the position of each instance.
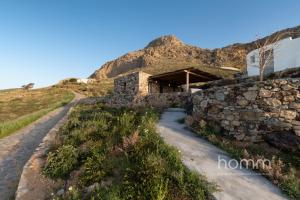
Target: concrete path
(17, 148)
(202, 157)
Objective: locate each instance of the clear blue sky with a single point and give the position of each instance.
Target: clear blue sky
(44, 41)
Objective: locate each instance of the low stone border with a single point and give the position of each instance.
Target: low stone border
(32, 184)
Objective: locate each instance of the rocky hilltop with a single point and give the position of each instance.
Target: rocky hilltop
(168, 51)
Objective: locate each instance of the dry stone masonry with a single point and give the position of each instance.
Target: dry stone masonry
(132, 84)
(158, 100)
(127, 88)
(248, 111)
(135, 90)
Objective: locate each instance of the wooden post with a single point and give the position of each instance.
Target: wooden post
(187, 81)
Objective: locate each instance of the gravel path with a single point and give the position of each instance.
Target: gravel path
(17, 148)
(201, 156)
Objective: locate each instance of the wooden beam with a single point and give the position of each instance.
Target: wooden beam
(202, 76)
(170, 73)
(187, 80)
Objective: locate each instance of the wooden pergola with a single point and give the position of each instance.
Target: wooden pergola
(184, 77)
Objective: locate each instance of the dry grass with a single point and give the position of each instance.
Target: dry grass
(99, 88)
(19, 107)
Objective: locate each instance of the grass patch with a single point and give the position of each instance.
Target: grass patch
(98, 88)
(119, 155)
(19, 108)
(283, 171)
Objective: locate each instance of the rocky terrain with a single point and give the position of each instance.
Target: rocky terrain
(169, 52)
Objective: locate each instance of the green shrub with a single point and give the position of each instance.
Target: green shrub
(93, 169)
(195, 187)
(98, 128)
(126, 123)
(71, 194)
(76, 137)
(144, 178)
(61, 162)
(149, 169)
(291, 187)
(73, 80)
(174, 168)
(111, 193)
(71, 124)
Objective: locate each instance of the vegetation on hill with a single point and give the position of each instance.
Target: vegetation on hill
(108, 153)
(98, 88)
(19, 108)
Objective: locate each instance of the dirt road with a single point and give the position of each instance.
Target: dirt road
(17, 148)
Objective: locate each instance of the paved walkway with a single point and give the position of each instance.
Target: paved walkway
(201, 156)
(17, 148)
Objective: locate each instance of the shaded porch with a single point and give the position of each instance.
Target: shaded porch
(179, 80)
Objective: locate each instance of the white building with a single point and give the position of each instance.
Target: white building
(86, 80)
(82, 80)
(285, 54)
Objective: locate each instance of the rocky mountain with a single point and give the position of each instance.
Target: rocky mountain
(168, 51)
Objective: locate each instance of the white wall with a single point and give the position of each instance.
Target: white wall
(286, 55)
(83, 80)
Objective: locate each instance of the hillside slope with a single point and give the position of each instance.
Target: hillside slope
(18, 107)
(168, 52)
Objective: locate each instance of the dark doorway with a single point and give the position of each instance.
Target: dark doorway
(161, 88)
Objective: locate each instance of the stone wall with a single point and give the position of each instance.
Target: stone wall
(164, 100)
(132, 84)
(143, 83)
(248, 111)
(159, 100)
(127, 84)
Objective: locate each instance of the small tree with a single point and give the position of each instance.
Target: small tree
(28, 86)
(266, 48)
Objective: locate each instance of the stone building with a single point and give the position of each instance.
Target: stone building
(132, 84)
(141, 83)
